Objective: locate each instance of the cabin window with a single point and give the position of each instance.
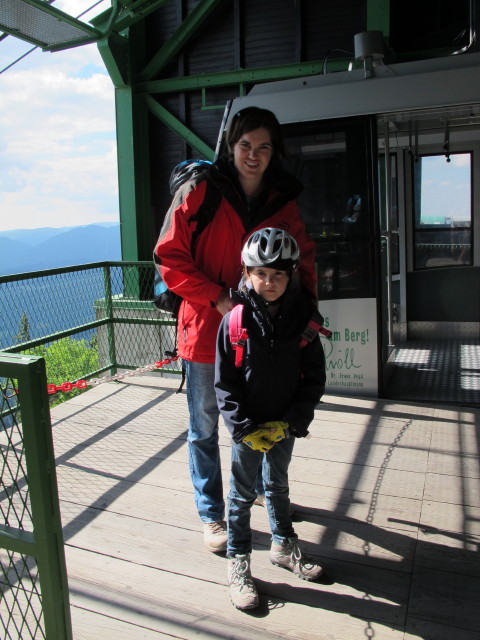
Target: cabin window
(443, 210)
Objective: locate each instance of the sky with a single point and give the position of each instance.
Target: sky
(446, 186)
(58, 163)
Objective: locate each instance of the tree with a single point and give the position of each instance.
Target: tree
(23, 334)
(67, 360)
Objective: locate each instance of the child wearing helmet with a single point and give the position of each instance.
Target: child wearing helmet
(267, 402)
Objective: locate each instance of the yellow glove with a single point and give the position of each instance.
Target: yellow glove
(257, 440)
(277, 431)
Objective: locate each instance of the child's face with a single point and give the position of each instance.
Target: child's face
(268, 283)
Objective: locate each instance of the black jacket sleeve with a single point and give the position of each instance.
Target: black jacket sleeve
(229, 386)
(310, 390)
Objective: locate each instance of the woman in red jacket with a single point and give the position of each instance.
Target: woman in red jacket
(255, 192)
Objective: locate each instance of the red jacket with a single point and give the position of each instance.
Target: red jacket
(199, 280)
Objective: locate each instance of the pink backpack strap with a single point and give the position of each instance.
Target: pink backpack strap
(238, 335)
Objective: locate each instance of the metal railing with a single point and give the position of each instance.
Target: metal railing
(34, 600)
(59, 327)
(86, 320)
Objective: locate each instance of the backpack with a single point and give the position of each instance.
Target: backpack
(238, 335)
(185, 176)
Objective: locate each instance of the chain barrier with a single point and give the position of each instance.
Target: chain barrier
(83, 384)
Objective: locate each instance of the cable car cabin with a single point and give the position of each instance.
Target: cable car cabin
(389, 159)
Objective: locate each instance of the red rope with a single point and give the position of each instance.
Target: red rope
(83, 384)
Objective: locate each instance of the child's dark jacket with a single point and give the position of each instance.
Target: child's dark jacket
(279, 380)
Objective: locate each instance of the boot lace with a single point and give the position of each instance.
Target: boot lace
(240, 574)
(299, 559)
(216, 527)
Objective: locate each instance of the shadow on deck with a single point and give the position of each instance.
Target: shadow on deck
(386, 494)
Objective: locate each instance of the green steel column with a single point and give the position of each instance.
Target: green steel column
(136, 222)
(112, 354)
(134, 176)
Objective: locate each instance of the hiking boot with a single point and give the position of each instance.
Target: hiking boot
(261, 501)
(215, 536)
(289, 556)
(243, 592)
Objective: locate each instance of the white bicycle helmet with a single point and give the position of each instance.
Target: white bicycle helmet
(273, 248)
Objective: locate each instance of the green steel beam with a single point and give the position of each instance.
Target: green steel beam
(44, 45)
(243, 76)
(114, 52)
(137, 6)
(141, 8)
(21, 277)
(173, 123)
(105, 33)
(17, 540)
(16, 34)
(62, 46)
(378, 17)
(31, 344)
(8, 31)
(129, 16)
(177, 41)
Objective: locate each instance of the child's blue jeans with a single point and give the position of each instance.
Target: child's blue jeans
(245, 466)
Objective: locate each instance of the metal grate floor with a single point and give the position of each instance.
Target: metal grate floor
(438, 371)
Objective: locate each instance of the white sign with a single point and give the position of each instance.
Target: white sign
(351, 353)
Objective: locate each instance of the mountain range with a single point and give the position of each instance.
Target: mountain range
(24, 250)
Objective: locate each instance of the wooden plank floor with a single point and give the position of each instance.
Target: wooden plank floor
(387, 496)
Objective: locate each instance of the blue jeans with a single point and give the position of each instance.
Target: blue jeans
(246, 464)
(259, 486)
(203, 450)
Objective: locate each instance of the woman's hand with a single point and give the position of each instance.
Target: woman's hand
(224, 302)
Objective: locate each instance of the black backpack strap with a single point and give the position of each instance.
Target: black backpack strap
(207, 210)
(183, 374)
(314, 326)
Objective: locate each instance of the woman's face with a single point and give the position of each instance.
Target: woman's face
(251, 155)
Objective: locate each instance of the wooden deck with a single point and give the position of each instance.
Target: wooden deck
(387, 496)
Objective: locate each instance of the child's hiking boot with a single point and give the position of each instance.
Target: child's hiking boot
(215, 536)
(242, 587)
(289, 556)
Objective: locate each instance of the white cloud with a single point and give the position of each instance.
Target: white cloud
(460, 159)
(58, 163)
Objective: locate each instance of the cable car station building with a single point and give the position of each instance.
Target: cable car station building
(379, 102)
(381, 116)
